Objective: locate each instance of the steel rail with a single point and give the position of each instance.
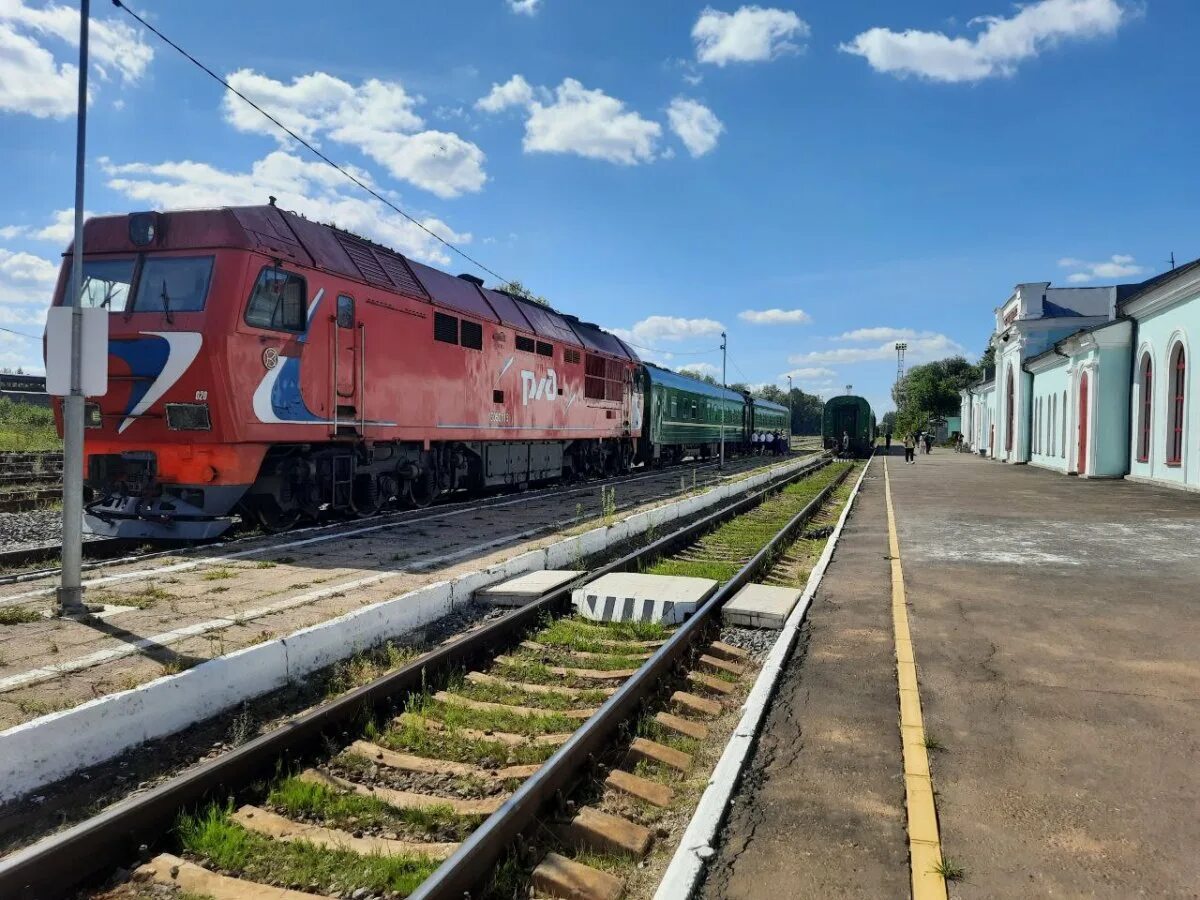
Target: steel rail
(461, 874)
(63, 861)
(109, 551)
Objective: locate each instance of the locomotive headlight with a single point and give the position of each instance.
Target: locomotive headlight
(143, 228)
(188, 417)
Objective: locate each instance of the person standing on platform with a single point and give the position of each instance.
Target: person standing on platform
(910, 445)
(887, 443)
(928, 443)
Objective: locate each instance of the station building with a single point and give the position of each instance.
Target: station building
(1094, 382)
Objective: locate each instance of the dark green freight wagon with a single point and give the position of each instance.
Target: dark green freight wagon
(848, 426)
(684, 417)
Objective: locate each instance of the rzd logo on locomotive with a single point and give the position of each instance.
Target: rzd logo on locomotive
(534, 388)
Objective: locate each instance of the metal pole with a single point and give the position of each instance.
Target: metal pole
(70, 594)
(791, 414)
(723, 387)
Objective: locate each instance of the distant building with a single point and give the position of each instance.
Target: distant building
(1094, 381)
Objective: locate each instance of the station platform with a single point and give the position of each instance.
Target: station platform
(1055, 628)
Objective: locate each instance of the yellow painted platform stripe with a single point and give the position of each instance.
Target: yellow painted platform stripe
(924, 841)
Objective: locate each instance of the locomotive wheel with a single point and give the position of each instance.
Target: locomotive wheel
(271, 517)
(365, 497)
(421, 490)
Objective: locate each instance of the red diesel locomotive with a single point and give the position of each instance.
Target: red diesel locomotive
(264, 364)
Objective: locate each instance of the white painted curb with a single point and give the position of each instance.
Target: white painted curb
(42, 751)
(696, 846)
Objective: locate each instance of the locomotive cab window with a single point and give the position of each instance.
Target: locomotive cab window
(106, 283)
(170, 284)
(345, 311)
(278, 301)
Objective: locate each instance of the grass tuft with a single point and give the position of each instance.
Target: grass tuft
(950, 870)
(19, 615)
(229, 847)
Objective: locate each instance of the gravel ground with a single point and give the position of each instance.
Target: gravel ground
(31, 528)
(756, 641)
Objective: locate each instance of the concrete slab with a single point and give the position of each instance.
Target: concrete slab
(761, 606)
(634, 597)
(525, 589)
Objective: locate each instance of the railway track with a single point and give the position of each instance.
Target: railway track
(101, 551)
(465, 768)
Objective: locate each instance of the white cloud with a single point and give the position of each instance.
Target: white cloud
(1119, 265)
(752, 34)
(592, 124)
(514, 92)
(809, 374)
(310, 188)
(701, 368)
(925, 345)
(882, 333)
(40, 78)
(775, 316)
(655, 329)
(524, 7)
(377, 117)
(60, 230)
(26, 288)
(695, 124)
(997, 49)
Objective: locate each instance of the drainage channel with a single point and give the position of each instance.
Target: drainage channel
(311, 749)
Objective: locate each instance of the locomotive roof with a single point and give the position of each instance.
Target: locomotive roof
(687, 383)
(286, 235)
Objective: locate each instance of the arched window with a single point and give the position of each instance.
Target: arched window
(1038, 427)
(1054, 423)
(1009, 414)
(1062, 449)
(1177, 386)
(1144, 408)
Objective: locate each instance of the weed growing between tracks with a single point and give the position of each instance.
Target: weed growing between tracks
(227, 847)
(307, 801)
(19, 615)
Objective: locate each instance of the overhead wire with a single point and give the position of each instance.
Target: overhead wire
(31, 337)
(308, 146)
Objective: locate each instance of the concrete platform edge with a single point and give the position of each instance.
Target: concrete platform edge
(39, 752)
(686, 866)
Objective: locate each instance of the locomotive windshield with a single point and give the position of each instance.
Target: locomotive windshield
(164, 284)
(173, 284)
(106, 283)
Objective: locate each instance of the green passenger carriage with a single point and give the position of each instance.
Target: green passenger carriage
(772, 417)
(850, 417)
(684, 417)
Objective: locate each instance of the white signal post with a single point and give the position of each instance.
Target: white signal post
(70, 593)
(721, 465)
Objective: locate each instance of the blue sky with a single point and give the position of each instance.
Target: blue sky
(818, 177)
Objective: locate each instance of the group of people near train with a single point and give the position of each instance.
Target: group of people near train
(768, 443)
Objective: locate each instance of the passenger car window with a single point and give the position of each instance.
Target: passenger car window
(278, 301)
(345, 312)
(173, 284)
(106, 283)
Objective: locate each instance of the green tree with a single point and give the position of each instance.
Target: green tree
(931, 391)
(519, 290)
